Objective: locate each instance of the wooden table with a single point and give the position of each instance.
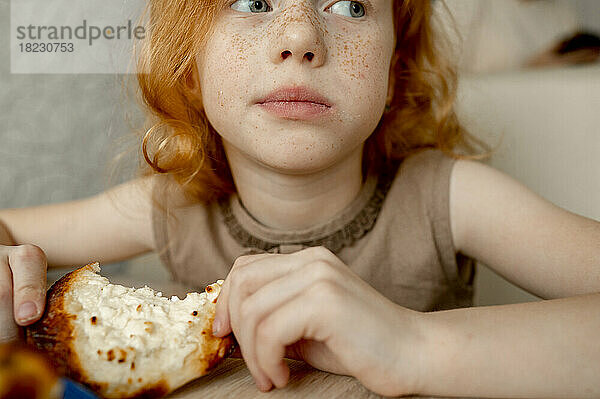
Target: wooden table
(233, 380)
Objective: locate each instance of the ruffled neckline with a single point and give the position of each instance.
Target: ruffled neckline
(342, 230)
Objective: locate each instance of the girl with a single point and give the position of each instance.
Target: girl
(320, 136)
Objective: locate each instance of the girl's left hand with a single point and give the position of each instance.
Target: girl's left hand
(309, 304)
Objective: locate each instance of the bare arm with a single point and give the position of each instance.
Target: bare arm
(109, 227)
(544, 349)
(5, 237)
(533, 243)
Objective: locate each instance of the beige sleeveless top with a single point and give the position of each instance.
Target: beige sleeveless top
(395, 235)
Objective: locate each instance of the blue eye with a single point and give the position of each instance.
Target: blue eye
(346, 8)
(254, 6)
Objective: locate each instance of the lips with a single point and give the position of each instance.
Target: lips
(297, 103)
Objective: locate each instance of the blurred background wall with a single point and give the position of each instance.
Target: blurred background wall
(588, 12)
(58, 134)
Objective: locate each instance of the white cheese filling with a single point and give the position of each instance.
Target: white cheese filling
(136, 330)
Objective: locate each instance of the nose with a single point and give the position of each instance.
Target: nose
(300, 40)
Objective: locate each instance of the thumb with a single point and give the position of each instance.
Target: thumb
(28, 266)
(221, 326)
(221, 323)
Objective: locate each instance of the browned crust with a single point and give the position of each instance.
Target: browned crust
(225, 348)
(158, 390)
(53, 333)
(161, 388)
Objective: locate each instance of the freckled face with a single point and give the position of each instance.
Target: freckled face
(312, 44)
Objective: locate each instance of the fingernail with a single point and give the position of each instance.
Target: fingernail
(27, 311)
(216, 326)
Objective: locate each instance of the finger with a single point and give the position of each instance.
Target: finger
(302, 317)
(221, 324)
(246, 277)
(28, 266)
(291, 352)
(8, 328)
(249, 275)
(249, 312)
(235, 284)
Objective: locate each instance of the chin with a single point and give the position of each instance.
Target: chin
(296, 164)
(291, 148)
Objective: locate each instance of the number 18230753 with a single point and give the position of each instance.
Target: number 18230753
(46, 47)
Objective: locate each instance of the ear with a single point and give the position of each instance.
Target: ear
(192, 82)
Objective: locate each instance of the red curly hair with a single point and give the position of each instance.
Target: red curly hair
(182, 143)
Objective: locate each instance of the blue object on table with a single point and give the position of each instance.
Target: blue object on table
(73, 390)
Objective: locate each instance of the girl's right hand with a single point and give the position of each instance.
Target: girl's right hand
(22, 287)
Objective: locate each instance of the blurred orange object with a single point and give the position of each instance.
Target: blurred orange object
(26, 373)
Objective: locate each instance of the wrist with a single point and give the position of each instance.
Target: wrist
(412, 351)
(439, 356)
(422, 351)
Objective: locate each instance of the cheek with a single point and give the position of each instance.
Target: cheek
(363, 66)
(224, 71)
(363, 59)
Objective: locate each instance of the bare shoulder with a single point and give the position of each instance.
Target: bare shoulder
(484, 199)
(522, 236)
